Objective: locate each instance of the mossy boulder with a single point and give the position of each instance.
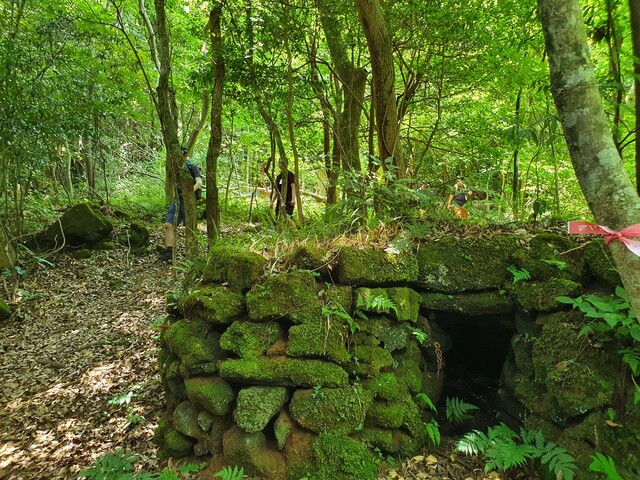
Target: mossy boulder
(342, 458)
(284, 371)
(336, 410)
(384, 386)
(470, 304)
(300, 455)
(369, 360)
(292, 295)
(216, 305)
(195, 344)
(391, 441)
(185, 420)
(239, 269)
(577, 376)
(249, 339)
(136, 236)
(541, 296)
(601, 264)
(319, 339)
(79, 226)
(337, 296)
(175, 444)
(309, 257)
(212, 393)
(387, 333)
(283, 428)
(407, 367)
(5, 311)
(251, 452)
(375, 267)
(172, 381)
(256, 406)
(552, 256)
(393, 414)
(400, 303)
(453, 265)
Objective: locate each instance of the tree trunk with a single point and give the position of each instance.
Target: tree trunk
(349, 103)
(634, 13)
(515, 184)
(599, 168)
(215, 139)
(379, 42)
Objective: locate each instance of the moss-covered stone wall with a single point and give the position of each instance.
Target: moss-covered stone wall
(314, 371)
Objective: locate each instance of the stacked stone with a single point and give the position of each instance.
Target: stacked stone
(298, 375)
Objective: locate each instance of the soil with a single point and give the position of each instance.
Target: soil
(79, 375)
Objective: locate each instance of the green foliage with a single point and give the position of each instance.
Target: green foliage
(611, 315)
(228, 473)
(556, 263)
(433, 432)
(122, 399)
(420, 335)
(519, 274)
(458, 411)
(604, 464)
(338, 310)
(424, 399)
(503, 449)
(118, 465)
(377, 303)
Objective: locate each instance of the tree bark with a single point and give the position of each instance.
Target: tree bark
(379, 42)
(215, 139)
(598, 166)
(634, 13)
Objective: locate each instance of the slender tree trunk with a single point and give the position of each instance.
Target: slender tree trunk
(634, 9)
(215, 139)
(515, 183)
(599, 168)
(614, 43)
(379, 42)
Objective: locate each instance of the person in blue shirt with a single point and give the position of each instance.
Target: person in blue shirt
(169, 225)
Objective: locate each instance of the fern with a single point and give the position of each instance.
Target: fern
(504, 449)
(376, 303)
(519, 274)
(424, 398)
(228, 473)
(433, 432)
(604, 464)
(458, 411)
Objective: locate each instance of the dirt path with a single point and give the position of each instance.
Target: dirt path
(78, 365)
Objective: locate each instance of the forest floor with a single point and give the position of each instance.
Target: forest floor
(79, 375)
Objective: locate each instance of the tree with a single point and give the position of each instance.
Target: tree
(634, 13)
(598, 166)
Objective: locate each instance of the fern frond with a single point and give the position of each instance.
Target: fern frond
(501, 431)
(458, 411)
(533, 437)
(473, 443)
(604, 464)
(558, 461)
(506, 454)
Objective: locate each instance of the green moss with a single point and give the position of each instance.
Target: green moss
(375, 267)
(342, 458)
(337, 410)
(454, 265)
(408, 367)
(250, 339)
(82, 225)
(406, 300)
(194, 344)
(369, 360)
(185, 420)
(250, 450)
(212, 393)
(385, 386)
(292, 295)
(387, 333)
(471, 304)
(541, 296)
(284, 372)
(300, 456)
(393, 414)
(216, 305)
(552, 256)
(256, 406)
(319, 339)
(601, 264)
(307, 257)
(339, 295)
(240, 269)
(176, 444)
(577, 376)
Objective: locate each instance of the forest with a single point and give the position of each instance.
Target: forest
(386, 113)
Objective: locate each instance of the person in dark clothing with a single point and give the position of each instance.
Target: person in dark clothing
(290, 201)
(169, 226)
(458, 199)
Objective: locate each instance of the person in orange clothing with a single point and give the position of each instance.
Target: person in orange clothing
(458, 199)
